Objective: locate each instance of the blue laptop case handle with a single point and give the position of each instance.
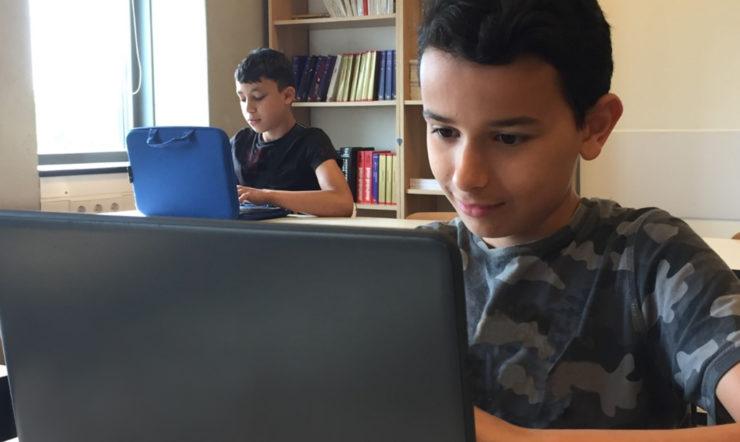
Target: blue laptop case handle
(154, 140)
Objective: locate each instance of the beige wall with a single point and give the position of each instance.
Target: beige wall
(235, 27)
(677, 146)
(19, 182)
(677, 63)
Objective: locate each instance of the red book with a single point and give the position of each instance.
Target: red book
(360, 180)
(367, 176)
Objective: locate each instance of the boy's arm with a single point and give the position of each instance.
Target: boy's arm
(489, 428)
(334, 198)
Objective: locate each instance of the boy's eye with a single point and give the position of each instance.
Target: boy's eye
(443, 132)
(509, 139)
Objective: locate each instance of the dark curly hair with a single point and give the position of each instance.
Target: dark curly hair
(265, 63)
(571, 35)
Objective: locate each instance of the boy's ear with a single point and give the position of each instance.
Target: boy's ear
(599, 123)
(288, 94)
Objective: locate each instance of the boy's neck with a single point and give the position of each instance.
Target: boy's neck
(280, 131)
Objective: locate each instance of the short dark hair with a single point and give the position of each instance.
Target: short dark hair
(571, 35)
(265, 63)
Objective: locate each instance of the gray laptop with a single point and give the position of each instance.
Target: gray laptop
(166, 329)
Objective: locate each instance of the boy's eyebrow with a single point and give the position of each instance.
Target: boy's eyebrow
(514, 121)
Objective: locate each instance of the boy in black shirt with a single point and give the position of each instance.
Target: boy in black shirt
(276, 160)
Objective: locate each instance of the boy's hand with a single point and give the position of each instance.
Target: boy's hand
(254, 196)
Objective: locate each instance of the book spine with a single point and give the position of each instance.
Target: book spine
(372, 68)
(326, 78)
(299, 63)
(306, 77)
(319, 73)
(360, 196)
(381, 75)
(393, 75)
(394, 178)
(367, 177)
(382, 173)
(388, 67)
(331, 89)
(374, 183)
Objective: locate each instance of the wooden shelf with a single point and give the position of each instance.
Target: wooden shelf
(389, 103)
(412, 102)
(424, 192)
(386, 207)
(340, 22)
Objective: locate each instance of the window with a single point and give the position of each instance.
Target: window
(180, 71)
(86, 69)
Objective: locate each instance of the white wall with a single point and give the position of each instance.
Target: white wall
(19, 182)
(677, 70)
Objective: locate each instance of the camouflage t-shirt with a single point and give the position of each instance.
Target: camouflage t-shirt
(619, 320)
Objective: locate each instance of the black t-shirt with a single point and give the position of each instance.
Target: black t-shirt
(288, 163)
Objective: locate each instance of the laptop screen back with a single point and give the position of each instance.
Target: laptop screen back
(123, 329)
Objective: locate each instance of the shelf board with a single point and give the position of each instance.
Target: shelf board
(387, 207)
(365, 21)
(344, 103)
(424, 192)
(413, 102)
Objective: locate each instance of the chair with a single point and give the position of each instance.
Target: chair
(433, 216)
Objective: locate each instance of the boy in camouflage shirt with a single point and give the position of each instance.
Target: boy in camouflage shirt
(581, 314)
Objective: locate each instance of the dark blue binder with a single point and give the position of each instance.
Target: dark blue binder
(187, 171)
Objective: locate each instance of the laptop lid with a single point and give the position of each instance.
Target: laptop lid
(122, 329)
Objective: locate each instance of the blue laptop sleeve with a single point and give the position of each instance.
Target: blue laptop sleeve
(182, 171)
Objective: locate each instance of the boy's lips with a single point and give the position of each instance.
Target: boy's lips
(475, 209)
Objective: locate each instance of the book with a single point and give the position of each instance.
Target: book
(381, 75)
(353, 83)
(335, 8)
(323, 83)
(359, 77)
(353, 60)
(313, 90)
(382, 178)
(375, 176)
(331, 91)
(394, 179)
(374, 183)
(306, 77)
(388, 74)
(371, 74)
(367, 176)
(350, 158)
(393, 75)
(299, 63)
(350, 6)
(347, 58)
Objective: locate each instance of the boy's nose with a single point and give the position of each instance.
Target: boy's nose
(470, 169)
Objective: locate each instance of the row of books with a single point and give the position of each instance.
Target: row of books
(351, 76)
(371, 175)
(349, 8)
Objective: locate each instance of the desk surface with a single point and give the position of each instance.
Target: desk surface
(727, 249)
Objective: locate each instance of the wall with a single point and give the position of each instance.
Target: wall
(678, 144)
(235, 27)
(19, 182)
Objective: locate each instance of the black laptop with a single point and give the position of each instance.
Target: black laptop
(170, 329)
